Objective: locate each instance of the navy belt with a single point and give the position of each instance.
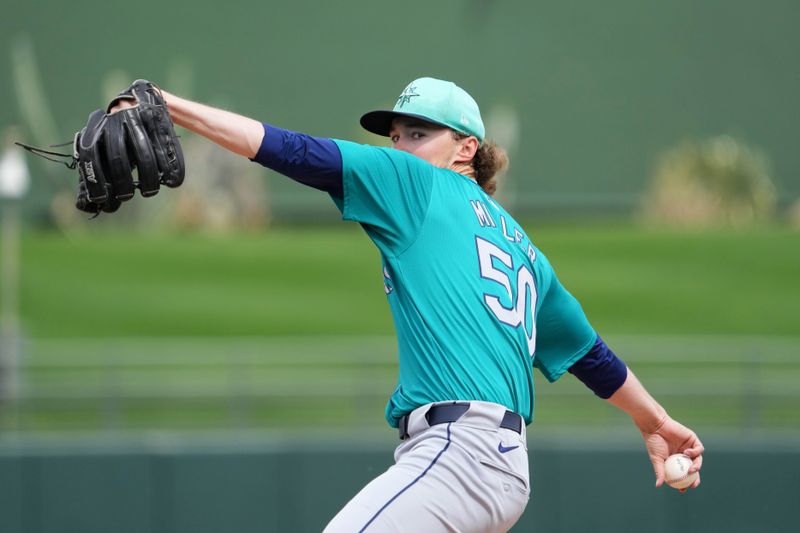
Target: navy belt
(450, 412)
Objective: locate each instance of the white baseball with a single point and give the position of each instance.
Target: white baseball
(676, 471)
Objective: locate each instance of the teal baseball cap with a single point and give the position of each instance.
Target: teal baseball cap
(437, 101)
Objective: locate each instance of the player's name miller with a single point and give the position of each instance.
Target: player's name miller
(486, 220)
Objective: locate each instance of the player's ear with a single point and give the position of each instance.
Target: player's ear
(468, 148)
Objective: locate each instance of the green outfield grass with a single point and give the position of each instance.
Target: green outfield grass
(326, 281)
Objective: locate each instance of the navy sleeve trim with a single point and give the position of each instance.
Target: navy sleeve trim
(600, 370)
(312, 161)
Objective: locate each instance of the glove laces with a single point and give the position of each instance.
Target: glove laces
(41, 152)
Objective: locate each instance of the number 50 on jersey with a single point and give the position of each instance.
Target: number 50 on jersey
(521, 308)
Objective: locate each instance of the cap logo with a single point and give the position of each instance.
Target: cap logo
(406, 96)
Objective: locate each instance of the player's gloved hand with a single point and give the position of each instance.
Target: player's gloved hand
(95, 193)
(670, 437)
(134, 132)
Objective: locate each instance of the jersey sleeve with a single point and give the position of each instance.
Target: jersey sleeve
(564, 334)
(312, 161)
(387, 191)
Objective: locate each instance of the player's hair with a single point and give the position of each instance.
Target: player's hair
(489, 160)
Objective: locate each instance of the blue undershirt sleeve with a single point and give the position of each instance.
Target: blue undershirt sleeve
(312, 161)
(600, 370)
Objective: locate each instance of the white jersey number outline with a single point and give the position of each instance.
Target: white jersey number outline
(523, 308)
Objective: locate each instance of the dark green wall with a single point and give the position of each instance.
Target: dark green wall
(600, 88)
(580, 483)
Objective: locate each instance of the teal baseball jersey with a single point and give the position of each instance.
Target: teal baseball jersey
(475, 304)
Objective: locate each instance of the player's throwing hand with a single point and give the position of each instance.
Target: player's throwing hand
(669, 438)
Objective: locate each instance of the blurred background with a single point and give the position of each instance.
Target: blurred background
(218, 357)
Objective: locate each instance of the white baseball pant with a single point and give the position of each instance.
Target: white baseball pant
(470, 475)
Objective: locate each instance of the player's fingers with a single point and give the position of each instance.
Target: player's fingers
(658, 466)
(692, 486)
(122, 104)
(696, 449)
(697, 464)
(695, 453)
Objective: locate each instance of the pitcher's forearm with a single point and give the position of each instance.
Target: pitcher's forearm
(237, 133)
(646, 412)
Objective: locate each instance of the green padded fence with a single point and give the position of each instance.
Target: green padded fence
(581, 482)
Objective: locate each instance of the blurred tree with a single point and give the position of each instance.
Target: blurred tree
(718, 181)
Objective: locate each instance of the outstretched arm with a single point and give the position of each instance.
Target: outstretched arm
(312, 161)
(662, 435)
(237, 133)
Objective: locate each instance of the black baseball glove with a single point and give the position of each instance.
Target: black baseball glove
(113, 144)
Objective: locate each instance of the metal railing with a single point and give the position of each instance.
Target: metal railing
(729, 383)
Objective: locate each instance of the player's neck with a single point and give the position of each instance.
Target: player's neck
(464, 169)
